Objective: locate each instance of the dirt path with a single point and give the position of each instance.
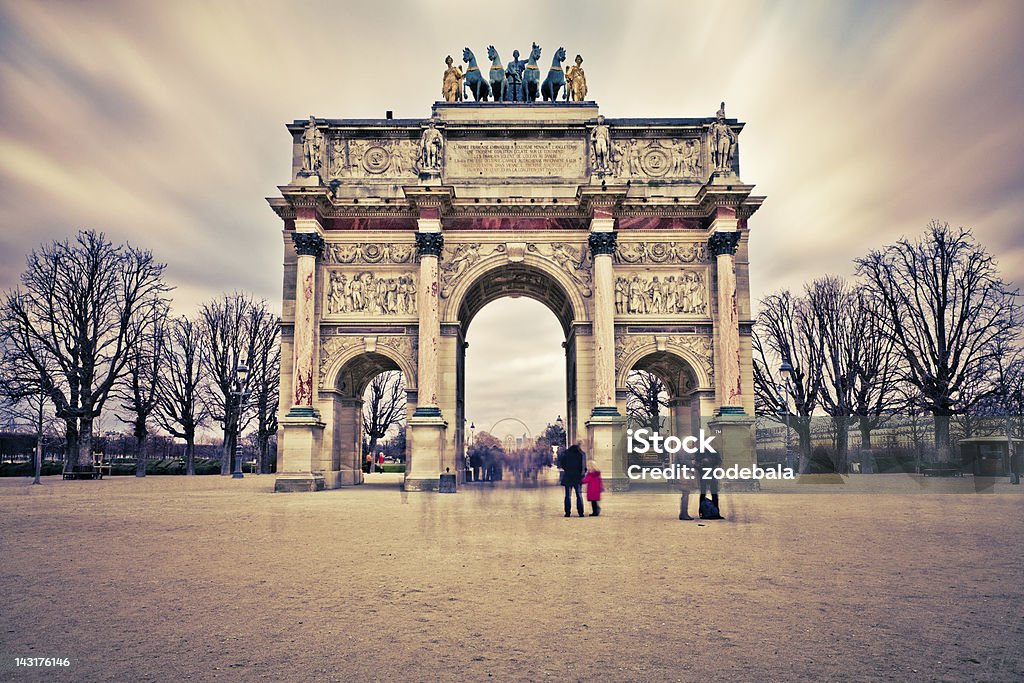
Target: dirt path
(209, 578)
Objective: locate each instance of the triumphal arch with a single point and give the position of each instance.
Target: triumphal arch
(397, 232)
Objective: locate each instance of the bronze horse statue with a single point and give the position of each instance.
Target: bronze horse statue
(531, 79)
(476, 83)
(497, 75)
(556, 78)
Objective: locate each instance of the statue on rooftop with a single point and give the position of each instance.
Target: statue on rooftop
(451, 88)
(312, 148)
(576, 82)
(723, 142)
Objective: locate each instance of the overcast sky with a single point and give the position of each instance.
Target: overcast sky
(162, 123)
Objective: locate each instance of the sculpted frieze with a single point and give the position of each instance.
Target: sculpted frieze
(660, 252)
(698, 346)
(402, 346)
(573, 259)
(634, 158)
(683, 293)
(374, 158)
(363, 252)
(370, 293)
(331, 348)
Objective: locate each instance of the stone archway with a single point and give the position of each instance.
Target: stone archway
(682, 383)
(495, 279)
(348, 372)
(633, 231)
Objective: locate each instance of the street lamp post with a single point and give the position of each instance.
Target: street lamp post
(242, 395)
(786, 370)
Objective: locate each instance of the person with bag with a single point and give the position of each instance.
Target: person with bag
(571, 462)
(687, 484)
(594, 488)
(706, 463)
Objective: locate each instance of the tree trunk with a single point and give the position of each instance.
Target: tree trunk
(140, 455)
(842, 444)
(71, 443)
(190, 457)
(803, 430)
(373, 453)
(865, 432)
(38, 464)
(228, 452)
(942, 446)
(84, 460)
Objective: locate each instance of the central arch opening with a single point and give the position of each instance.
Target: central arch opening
(516, 375)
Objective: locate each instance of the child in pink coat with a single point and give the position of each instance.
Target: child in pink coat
(594, 488)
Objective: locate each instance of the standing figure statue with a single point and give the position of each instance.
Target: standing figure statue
(312, 148)
(477, 83)
(555, 80)
(514, 91)
(576, 82)
(723, 142)
(531, 79)
(602, 145)
(431, 148)
(451, 87)
(499, 84)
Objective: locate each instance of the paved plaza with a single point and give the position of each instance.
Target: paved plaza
(174, 578)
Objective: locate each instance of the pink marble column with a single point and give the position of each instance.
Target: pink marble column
(602, 246)
(308, 246)
(428, 245)
(722, 245)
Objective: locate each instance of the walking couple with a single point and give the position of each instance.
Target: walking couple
(575, 473)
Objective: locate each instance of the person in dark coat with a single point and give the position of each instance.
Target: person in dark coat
(571, 462)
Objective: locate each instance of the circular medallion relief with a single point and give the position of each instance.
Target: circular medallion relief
(376, 159)
(655, 162)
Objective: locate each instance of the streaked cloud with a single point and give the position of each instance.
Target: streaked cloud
(162, 123)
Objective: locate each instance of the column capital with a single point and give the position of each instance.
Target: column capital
(720, 243)
(308, 244)
(429, 243)
(603, 243)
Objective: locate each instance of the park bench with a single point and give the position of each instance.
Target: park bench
(941, 472)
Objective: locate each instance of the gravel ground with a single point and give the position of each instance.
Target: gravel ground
(209, 578)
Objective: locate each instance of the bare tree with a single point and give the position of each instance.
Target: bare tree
(384, 405)
(785, 332)
(875, 374)
(232, 327)
(947, 310)
(79, 312)
(139, 388)
(180, 410)
(646, 400)
(264, 381)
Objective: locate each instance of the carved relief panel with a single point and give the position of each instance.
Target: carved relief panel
(373, 158)
(573, 259)
(357, 292)
(674, 292)
(698, 347)
(644, 159)
(634, 253)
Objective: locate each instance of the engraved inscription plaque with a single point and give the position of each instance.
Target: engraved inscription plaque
(515, 159)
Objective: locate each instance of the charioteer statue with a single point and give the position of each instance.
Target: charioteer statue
(518, 81)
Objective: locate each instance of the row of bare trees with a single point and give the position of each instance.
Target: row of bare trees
(90, 324)
(928, 325)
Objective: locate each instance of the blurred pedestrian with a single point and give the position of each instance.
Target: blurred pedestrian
(571, 462)
(594, 488)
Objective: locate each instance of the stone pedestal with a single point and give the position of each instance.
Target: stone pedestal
(426, 439)
(734, 441)
(301, 439)
(607, 440)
